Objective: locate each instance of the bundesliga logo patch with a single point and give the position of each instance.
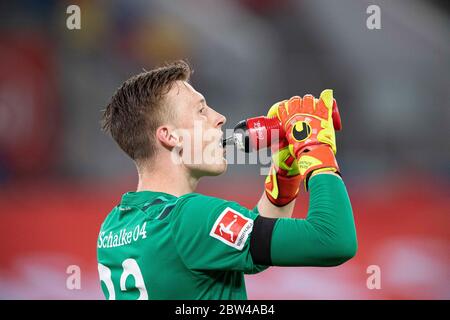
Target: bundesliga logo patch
(232, 228)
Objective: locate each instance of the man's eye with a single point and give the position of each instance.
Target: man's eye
(202, 110)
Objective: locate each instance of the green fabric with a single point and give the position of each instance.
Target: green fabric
(178, 259)
(142, 254)
(327, 237)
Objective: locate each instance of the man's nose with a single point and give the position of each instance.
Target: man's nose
(221, 120)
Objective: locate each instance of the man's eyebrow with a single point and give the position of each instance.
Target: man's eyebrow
(202, 101)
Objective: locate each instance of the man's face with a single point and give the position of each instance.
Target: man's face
(200, 130)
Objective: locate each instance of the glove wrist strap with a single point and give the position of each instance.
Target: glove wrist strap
(281, 190)
(320, 157)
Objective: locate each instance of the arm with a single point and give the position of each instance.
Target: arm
(327, 237)
(269, 210)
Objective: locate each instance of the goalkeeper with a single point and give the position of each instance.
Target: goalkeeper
(164, 241)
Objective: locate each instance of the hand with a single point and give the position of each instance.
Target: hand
(308, 124)
(283, 181)
(308, 121)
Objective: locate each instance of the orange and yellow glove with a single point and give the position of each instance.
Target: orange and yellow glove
(283, 181)
(310, 132)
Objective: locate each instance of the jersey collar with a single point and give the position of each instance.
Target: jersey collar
(139, 197)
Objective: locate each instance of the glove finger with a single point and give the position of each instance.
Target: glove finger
(294, 105)
(273, 111)
(321, 109)
(282, 111)
(327, 97)
(285, 161)
(307, 104)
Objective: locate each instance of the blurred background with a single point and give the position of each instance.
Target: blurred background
(60, 175)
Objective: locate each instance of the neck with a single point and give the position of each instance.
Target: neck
(170, 178)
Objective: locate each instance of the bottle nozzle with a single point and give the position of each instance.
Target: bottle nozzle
(227, 140)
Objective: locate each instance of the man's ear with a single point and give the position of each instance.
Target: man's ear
(167, 136)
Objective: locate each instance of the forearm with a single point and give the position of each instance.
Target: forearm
(269, 210)
(327, 236)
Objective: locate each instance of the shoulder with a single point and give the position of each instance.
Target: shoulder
(203, 208)
(199, 199)
(198, 203)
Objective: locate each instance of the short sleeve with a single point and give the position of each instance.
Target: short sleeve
(213, 234)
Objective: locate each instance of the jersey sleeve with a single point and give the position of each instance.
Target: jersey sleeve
(214, 234)
(327, 237)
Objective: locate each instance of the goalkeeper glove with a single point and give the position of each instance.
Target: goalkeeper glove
(283, 181)
(310, 132)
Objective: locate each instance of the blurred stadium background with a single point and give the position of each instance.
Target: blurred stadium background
(59, 175)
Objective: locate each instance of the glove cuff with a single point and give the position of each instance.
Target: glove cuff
(280, 189)
(320, 157)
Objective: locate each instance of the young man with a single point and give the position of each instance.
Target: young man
(164, 241)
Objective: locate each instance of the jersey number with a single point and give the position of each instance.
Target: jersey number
(130, 268)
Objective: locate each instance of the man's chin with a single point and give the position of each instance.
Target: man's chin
(217, 170)
(213, 170)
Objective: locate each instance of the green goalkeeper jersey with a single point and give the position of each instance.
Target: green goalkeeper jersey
(157, 246)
